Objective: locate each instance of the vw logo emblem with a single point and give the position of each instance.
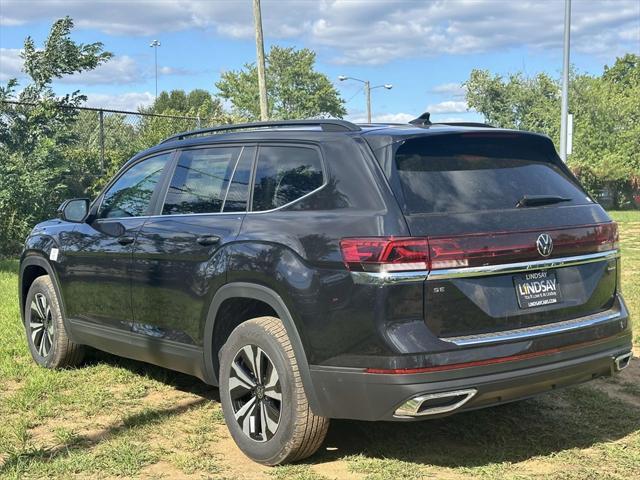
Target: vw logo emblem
(544, 244)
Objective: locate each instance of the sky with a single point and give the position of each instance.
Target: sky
(424, 48)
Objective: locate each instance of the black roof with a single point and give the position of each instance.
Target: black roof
(310, 130)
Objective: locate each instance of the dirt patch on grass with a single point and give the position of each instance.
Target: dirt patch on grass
(625, 385)
(167, 470)
(238, 465)
(336, 469)
(538, 467)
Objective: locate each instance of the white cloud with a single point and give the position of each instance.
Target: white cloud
(122, 70)
(166, 70)
(450, 120)
(10, 64)
(360, 117)
(452, 89)
(119, 70)
(364, 32)
(393, 118)
(130, 101)
(449, 106)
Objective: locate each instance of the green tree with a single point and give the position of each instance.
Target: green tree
(34, 173)
(606, 112)
(196, 103)
(295, 89)
(201, 108)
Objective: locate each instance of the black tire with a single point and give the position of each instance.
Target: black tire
(46, 335)
(299, 432)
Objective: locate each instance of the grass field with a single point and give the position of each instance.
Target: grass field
(119, 418)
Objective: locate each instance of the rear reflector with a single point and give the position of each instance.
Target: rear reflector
(389, 254)
(480, 363)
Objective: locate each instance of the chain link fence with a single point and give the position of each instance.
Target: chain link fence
(73, 152)
(109, 137)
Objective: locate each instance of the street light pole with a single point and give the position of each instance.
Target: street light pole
(564, 113)
(155, 44)
(367, 91)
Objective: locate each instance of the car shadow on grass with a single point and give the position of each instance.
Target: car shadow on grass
(574, 418)
(577, 417)
(179, 381)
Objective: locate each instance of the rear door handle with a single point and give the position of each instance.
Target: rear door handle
(125, 240)
(208, 240)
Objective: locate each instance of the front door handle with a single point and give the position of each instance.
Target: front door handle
(208, 240)
(125, 240)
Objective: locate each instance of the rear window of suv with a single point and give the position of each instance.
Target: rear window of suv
(457, 174)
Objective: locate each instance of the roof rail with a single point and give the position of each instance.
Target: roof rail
(327, 125)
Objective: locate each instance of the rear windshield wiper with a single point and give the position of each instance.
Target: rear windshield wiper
(537, 200)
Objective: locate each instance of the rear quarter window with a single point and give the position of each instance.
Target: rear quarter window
(454, 174)
(285, 174)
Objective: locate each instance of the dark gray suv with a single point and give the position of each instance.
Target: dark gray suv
(321, 269)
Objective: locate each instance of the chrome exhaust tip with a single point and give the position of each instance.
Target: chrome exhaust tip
(435, 403)
(622, 361)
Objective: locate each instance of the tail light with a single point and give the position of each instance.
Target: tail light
(388, 254)
(385, 254)
(509, 247)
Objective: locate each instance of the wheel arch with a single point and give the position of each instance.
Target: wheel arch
(32, 267)
(272, 299)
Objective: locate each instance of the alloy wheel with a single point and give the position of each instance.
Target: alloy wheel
(41, 325)
(256, 395)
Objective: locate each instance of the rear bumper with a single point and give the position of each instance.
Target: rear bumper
(355, 394)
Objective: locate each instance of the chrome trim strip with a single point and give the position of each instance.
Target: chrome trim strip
(411, 408)
(387, 278)
(522, 266)
(535, 331)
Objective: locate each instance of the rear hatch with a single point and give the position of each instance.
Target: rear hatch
(514, 241)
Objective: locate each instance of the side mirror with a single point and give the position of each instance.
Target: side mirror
(74, 210)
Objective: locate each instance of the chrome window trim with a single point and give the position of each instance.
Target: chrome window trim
(250, 212)
(224, 213)
(257, 144)
(535, 331)
(385, 278)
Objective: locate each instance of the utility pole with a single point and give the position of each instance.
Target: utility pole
(564, 114)
(262, 81)
(367, 91)
(155, 44)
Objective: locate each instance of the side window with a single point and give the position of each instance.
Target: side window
(131, 194)
(285, 174)
(200, 181)
(238, 192)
